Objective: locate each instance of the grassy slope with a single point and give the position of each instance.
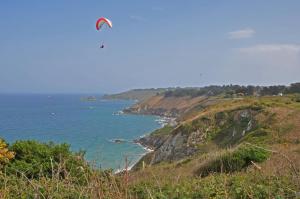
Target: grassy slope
(277, 131)
(171, 106)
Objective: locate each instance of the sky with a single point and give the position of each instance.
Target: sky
(53, 46)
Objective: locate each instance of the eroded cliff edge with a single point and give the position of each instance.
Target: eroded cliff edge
(220, 125)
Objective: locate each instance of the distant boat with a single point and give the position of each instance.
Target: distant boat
(118, 141)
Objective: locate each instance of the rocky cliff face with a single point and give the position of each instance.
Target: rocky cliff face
(224, 129)
(152, 142)
(175, 147)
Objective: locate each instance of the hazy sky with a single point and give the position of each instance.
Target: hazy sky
(53, 46)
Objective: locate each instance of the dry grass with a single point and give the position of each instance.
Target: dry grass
(169, 104)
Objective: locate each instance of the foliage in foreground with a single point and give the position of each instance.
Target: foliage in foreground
(47, 170)
(34, 159)
(237, 185)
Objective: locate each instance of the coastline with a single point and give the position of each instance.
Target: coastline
(147, 149)
(161, 119)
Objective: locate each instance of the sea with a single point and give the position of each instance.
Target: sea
(92, 126)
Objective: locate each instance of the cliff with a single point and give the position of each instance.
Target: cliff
(226, 124)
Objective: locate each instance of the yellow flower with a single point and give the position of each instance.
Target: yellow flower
(5, 154)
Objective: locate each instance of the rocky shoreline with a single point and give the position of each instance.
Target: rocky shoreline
(151, 143)
(170, 142)
(182, 141)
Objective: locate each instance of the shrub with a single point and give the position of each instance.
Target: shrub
(235, 160)
(35, 159)
(296, 98)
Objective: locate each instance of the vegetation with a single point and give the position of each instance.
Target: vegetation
(34, 159)
(234, 90)
(233, 160)
(163, 131)
(152, 183)
(5, 154)
(48, 170)
(240, 185)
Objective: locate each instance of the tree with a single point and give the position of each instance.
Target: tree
(294, 88)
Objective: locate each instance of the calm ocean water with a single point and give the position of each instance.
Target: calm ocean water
(87, 125)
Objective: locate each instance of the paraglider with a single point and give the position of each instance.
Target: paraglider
(102, 21)
(99, 25)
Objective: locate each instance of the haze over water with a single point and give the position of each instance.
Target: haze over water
(87, 125)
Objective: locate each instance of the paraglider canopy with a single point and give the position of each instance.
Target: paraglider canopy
(102, 21)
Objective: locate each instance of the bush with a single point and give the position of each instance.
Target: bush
(235, 160)
(35, 159)
(296, 98)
